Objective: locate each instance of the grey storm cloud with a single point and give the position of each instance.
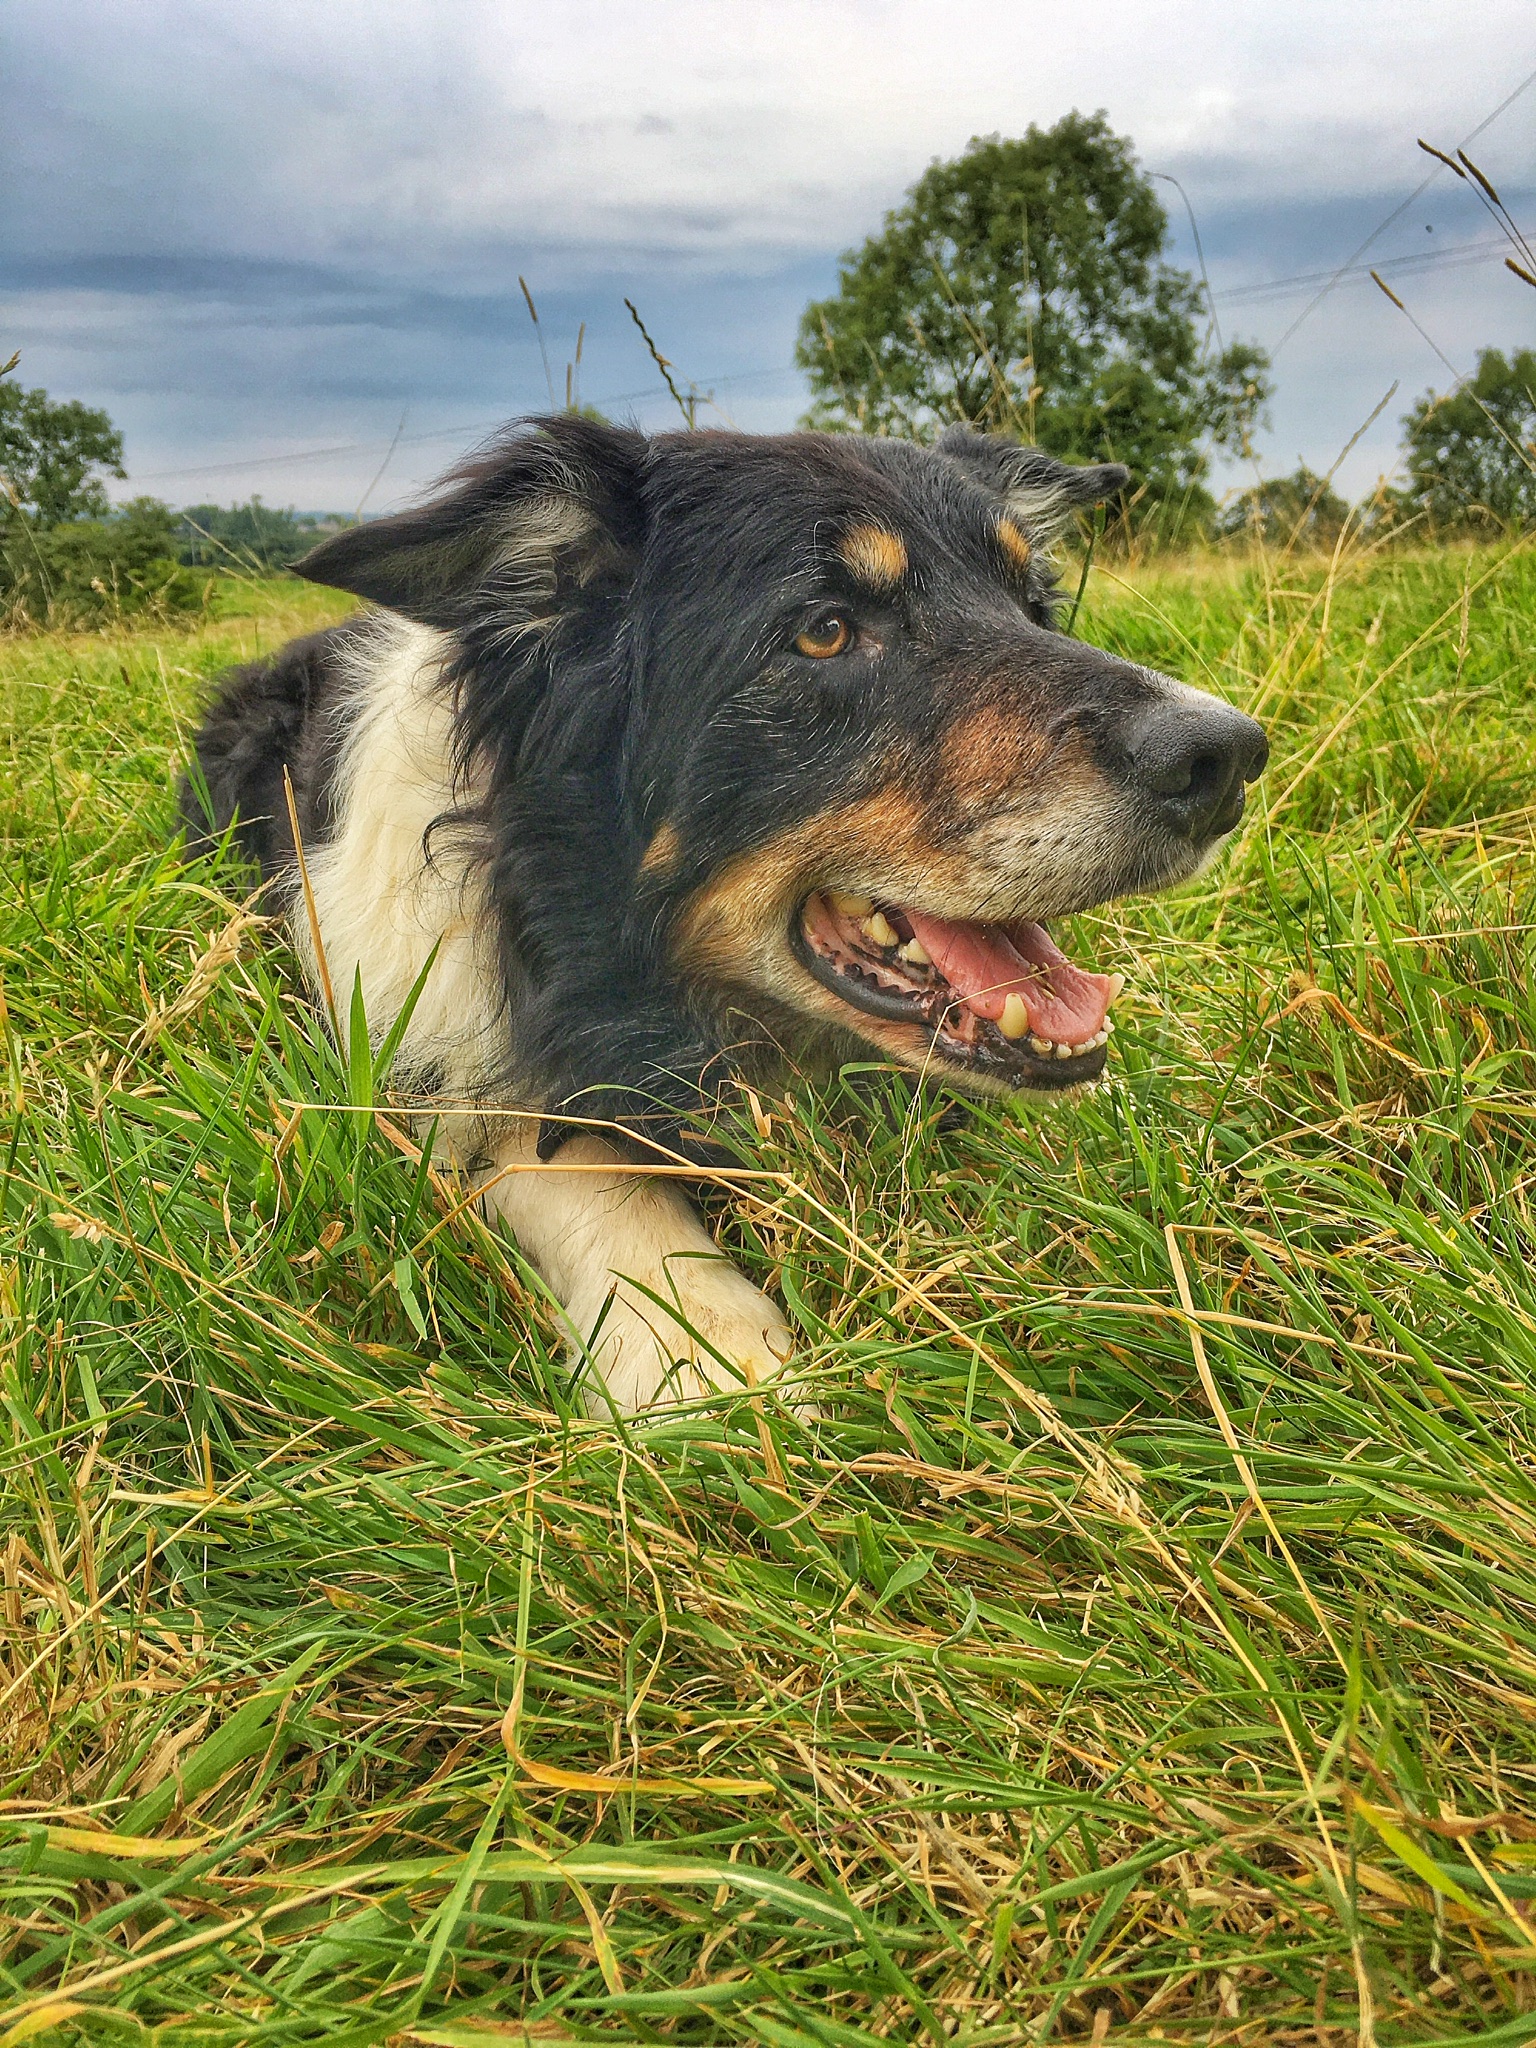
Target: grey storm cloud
(249, 231)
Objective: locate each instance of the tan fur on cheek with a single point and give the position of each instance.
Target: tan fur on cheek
(1048, 852)
(992, 753)
(733, 936)
(733, 929)
(660, 857)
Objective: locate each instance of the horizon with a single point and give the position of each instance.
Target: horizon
(288, 264)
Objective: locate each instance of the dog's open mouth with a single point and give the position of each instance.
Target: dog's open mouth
(1000, 999)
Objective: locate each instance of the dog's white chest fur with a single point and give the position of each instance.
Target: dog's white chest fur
(645, 1294)
(381, 904)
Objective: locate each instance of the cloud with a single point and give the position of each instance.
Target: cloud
(248, 229)
(430, 133)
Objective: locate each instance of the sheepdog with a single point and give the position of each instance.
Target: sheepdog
(656, 760)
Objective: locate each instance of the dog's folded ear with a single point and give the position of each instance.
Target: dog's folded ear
(1038, 490)
(544, 510)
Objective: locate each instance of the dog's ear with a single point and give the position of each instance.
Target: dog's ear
(552, 506)
(1039, 491)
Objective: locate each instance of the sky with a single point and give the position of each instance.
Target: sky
(281, 244)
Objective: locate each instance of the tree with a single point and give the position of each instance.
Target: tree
(1301, 510)
(90, 572)
(54, 456)
(1022, 287)
(1471, 453)
(254, 537)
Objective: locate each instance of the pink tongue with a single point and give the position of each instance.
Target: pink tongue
(985, 965)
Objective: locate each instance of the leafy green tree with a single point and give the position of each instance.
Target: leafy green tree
(55, 456)
(1022, 287)
(90, 572)
(1471, 454)
(1298, 511)
(67, 557)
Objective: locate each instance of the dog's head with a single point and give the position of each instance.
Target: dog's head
(782, 729)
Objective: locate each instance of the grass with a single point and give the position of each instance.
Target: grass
(1143, 1647)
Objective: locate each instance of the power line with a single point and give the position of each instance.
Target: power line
(1457, 255)
(1452, 257)
(156, 476)
(435, 434)
(1395, 215)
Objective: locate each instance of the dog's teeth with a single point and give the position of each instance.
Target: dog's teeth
(1043, 1046)
(1014, 1021)
(1116, 983)
(878, 928)
(1109, 1025)
(1064, 1052)
(914, 953)
(850, 906)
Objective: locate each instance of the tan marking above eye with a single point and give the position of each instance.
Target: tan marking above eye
(1014, 542)
(661, 854)
(875, 555)
(829, 636)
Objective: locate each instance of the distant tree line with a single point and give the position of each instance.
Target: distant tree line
(68, 556)
(257, 538)
(1470, 460)
(1022, 287)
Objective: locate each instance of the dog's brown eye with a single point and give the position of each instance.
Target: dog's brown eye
(831, 635)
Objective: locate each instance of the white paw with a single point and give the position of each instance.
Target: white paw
(647, 1356)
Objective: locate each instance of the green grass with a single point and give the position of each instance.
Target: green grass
(1143, 1644)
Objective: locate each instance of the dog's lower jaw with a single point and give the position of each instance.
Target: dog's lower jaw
(655, 1313)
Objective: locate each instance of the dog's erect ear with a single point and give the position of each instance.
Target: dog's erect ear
(1040, 491)
(553, 505)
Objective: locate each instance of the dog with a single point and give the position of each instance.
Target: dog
(662, 757)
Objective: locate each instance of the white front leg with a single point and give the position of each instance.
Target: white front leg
(607, 1242)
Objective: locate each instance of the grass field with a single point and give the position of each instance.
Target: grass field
(1142, 1647)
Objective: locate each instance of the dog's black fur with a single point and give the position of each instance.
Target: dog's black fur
(635, 725)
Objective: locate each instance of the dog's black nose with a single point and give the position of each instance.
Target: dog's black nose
(1189, 760)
